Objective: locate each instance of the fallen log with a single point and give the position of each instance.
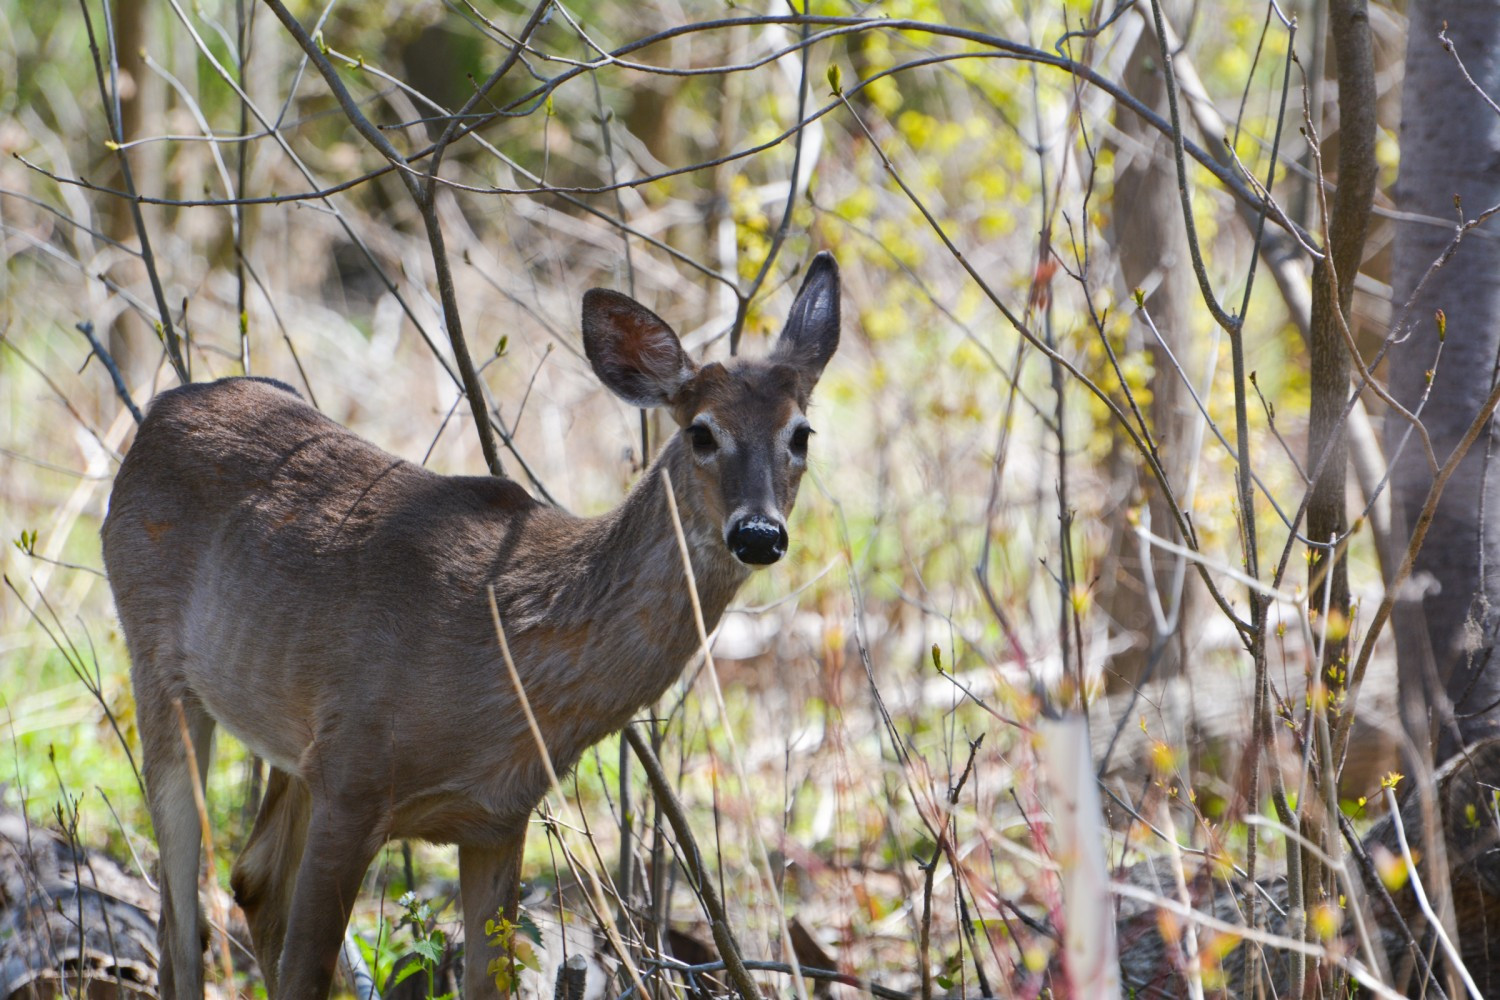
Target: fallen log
(73, 923)
(1454, 837)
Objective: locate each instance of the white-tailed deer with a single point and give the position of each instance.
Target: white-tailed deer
(327, 603)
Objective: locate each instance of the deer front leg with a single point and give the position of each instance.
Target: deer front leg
(341, 841)
(489, 880)
(265, 873)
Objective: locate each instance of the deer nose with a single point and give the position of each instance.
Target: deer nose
(758, 540)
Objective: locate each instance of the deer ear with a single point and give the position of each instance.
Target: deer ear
(811, 334)
(633, 351)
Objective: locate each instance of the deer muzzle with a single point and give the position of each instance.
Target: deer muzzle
(758, 540)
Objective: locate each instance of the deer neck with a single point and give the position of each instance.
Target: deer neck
(618, 591)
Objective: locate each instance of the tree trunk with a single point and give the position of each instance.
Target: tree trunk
(1153, 252)
(1333, 296)
(1450, 139)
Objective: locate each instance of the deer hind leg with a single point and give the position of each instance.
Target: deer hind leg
(342, 837)
(181, 932)
(489, 884)
(265, 873)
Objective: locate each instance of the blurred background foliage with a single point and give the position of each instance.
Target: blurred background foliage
(944, 455)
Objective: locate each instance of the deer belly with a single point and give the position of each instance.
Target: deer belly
(272, 724)
(455, 818)
(257, 673)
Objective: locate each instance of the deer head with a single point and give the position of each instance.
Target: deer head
(744, 424)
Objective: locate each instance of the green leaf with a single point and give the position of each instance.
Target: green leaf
(526, 955)
(404, 973)
(499, 968)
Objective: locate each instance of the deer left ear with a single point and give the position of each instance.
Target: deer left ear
(811, 334)
(632, 350)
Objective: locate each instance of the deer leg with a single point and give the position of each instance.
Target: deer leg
(181, 932)
(489, 881)
(265, 873)
(340, 842)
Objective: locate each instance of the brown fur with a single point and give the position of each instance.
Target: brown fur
(327, 603)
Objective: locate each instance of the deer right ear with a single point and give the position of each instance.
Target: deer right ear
(811, 334)
(633, 351)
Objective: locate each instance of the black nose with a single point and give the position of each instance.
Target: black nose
(757, 540)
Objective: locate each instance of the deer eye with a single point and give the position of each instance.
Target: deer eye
(702, 439)
(798, 443)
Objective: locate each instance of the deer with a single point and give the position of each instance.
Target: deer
(329, 605)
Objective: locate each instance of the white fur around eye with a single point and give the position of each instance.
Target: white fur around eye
(786, 435)
(723, 443)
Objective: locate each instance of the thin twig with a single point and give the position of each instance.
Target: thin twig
(1376, 885)
(1418, 536)
(423, 196)
(197, 778)
(1453, 51)
(834, 27)
(102, 353)
(760, 965)
(1200, 270)
(692, 586)
(703, 886)
(1455, 960)
(1157, 472)
(545, 756)
(127, 179)
(743, 308)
